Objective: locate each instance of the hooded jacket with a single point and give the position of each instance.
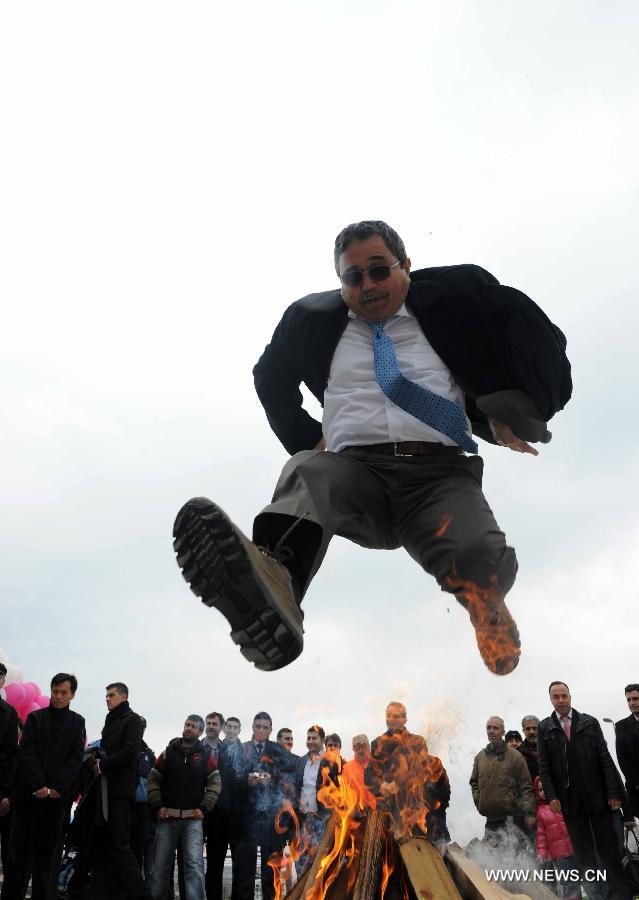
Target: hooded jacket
(551, 838)
(501, 784)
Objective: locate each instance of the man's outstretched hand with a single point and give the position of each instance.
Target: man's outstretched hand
(505, 438)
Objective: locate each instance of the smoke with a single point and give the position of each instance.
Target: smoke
(507, 848)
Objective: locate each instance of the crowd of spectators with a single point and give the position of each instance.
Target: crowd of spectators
(114, 819)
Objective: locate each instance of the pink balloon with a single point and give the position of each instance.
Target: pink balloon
(35, 688)
(15, 694)
(23, 712)
(29, 693)
(43, 701)
(33, 707)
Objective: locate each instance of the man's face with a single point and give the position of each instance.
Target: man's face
(374, 300)
(514, 743)
(530, 731)
(2, 678)
(286, 741)
(114, 698)
(362, 751)
(313, 742)
(231, 730)
(62, 695)
(190, 732)
(495, 730)
(213, 727)
(395, 717)
(560, 699)
(262, 730)
(632, 698)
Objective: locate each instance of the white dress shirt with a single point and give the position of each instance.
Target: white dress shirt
(356, 410)
(308, 794)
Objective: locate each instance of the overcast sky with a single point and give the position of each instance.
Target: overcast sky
(173, 176)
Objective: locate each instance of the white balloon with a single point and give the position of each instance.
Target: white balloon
(3, 655)
(14, 675)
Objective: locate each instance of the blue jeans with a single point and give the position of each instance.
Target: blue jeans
(168, 834)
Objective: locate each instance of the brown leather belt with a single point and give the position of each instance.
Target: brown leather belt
(409, 448)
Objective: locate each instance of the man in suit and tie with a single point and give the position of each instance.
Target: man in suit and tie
(627, 746)
(259, 798)
(407, 365)
(581, 782)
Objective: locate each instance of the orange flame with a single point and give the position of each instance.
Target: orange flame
(403, 771)
(338, 795)
(387, 871)
(495, 628)
(443, 525)
(282, 863)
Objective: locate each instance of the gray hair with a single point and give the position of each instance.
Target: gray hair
(499, 719)
(529, 719)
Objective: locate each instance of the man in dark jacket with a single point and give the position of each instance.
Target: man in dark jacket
(528, 748)
(259, 797)
(627, 746)
(183, 787)
(8, 756)
(406, 366)
(580, 781)
(117, 871)
(49, 760)
(221, 829)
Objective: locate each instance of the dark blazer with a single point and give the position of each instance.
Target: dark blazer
(8, 746)
(490, 336)
(586, 766)
(121, 742)
(627, 746)
(263, 797)
(50, 753)
(335, 769)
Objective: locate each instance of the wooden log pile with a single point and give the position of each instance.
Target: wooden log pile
(379, 867)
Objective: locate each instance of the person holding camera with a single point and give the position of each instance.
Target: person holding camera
(260, 797)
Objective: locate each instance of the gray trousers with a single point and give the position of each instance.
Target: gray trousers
(433, 506)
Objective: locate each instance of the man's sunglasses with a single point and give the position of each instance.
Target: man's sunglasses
(355, 277)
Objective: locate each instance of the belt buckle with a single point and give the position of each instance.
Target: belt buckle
(397, 453)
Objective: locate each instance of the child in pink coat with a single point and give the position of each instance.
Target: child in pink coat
(553, 843)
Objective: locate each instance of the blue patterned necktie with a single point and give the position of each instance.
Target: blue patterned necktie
(441, 414)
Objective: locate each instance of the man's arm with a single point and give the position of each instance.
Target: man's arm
(626, 757)
(28, 756)
(8, 753)
(545, 772)
(127, 755)
(277, 382)
(213, 787)
(73, 761)
(526, 793)
(474, 782)
(154, 785)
